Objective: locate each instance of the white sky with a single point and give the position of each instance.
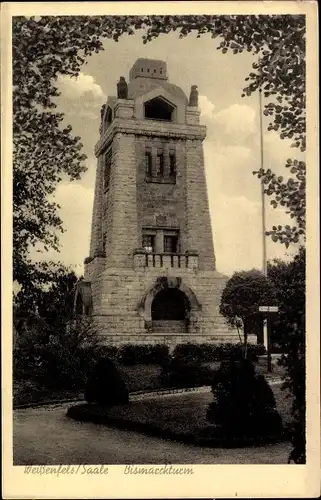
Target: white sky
(231, 148)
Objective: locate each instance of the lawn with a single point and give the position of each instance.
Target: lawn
(181, 417)
(141, 377)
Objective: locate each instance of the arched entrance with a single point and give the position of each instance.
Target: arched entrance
(169, 306)
(170, 311)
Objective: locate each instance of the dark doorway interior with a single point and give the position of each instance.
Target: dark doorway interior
(170, 305)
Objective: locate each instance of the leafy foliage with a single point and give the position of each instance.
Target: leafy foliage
(132, 354)
(48, 293)
(244, 292)
(289, 280)
(289, 194)
(215, 352)
(244, 403)
(55, 359)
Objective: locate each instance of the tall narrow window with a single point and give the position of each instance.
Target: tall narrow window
(148, 164)
(172, 165)
(149, 242)
(160, 164)
(107, 168)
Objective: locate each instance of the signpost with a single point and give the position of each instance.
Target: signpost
(268, 310)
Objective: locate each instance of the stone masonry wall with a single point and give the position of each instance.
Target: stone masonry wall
(117, 295)
(199, 231)
(96, 241)
(122, 235)
(160, 204)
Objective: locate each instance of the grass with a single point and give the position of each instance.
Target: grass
(180, 417)
(141, 377)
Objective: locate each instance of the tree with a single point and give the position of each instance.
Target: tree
(244, 292)
(49, 296)
(289, 280)
(47, 47)
(53, 358)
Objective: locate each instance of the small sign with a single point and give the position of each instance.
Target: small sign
(270, 309)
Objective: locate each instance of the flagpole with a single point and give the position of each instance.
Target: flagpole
(263, 217)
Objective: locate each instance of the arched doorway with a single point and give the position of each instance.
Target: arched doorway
(170, 311)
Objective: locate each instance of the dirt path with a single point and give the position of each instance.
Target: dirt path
(45, 436)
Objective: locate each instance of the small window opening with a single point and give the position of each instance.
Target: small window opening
(148, 163)
(160, 164)
(171, 243)
(149, 243)
(107, 168)
(172, 165)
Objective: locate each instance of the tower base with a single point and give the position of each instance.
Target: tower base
(158, 306)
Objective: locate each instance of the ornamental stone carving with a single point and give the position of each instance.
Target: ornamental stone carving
(193, 97)
(122, 88)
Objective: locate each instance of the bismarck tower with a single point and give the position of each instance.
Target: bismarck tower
(150, 276)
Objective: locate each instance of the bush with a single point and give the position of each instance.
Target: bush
(216, 352)
(105, 385)
(131, 354)
(180, 373)
(55, 359)
(244, 403)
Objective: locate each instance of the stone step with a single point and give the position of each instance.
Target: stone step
(167, 326)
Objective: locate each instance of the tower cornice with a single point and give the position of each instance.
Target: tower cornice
(150, 129)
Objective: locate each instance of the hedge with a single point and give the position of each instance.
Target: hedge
(204, 437)
(151, 354)
(216, 352)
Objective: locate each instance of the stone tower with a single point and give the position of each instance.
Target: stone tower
(150, 276)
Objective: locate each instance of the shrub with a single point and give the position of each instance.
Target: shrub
(105, 385)
(131, 354)
(55, 359)
(244, 403)
(182, 374)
